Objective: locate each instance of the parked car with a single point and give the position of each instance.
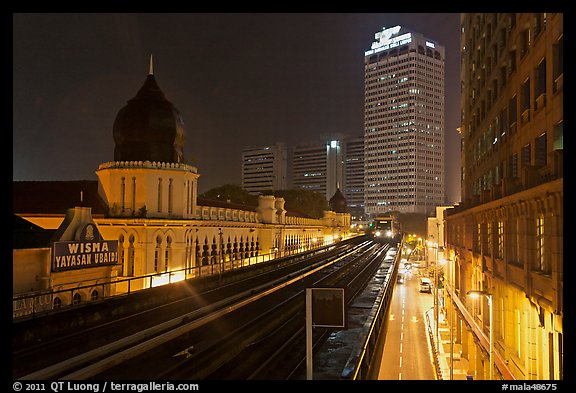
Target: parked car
(425, 285)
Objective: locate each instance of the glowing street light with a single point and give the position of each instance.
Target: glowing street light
(475, 294)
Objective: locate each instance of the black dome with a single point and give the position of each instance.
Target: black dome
(338, 203)
(149, 128)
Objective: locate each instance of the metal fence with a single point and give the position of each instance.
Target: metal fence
(43, 302)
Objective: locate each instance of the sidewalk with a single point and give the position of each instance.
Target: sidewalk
(443, 354)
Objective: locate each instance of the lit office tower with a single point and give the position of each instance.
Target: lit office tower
(264, 168)
(318, 166)
(404, 123)
(353, 188)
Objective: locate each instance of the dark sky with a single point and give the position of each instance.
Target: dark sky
(237, 79)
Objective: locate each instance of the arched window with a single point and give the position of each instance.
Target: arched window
(121, 253)
(131, 256)
(198, 254)
(57, 303)
(157, 254)
(94, 295)
(167, 253)
(76, 299)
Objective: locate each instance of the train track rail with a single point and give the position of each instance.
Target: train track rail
(114, 342)
(251, 340)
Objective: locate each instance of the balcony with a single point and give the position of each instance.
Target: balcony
(540, 102)
(558, 83)
(525, 118)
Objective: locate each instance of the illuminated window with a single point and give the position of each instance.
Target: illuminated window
(500, 249)
(542, 266)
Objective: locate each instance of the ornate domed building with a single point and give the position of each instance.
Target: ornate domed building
(149, 127)
(338, 202)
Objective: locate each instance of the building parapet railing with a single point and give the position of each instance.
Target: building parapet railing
(42, 302)
(147, 164)
(226, 214)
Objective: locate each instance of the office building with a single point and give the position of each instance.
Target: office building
(404, 123)
(264, 168)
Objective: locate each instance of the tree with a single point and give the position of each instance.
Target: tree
(307, 202)
(231, 193)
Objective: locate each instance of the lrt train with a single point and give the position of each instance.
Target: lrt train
(385, 229)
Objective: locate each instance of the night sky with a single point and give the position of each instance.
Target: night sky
(237, 79)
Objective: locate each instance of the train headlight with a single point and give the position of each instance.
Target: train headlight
(389, 233)
(377, 233)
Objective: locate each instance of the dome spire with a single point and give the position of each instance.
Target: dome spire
(151, 72)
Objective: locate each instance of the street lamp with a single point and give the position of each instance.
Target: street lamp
(475, 294)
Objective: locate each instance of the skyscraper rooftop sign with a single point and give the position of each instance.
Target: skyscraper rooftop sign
(388, 38)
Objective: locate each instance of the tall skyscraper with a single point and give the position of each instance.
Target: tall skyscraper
(264, 168)
(404, 123)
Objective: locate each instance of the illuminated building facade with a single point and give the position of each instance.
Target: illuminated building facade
(264, 168)
(146, 201)
(506, 236)
(404, 123)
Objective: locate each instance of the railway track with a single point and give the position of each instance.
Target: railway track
(75, 355)
(260, 340)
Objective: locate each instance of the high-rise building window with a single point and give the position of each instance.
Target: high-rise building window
(524, 42)
(514, 165)
(526, 155)
(558, 63)
(512, 112)
(540, 85)
(559, 136)
(540, 152)
(525, 101)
